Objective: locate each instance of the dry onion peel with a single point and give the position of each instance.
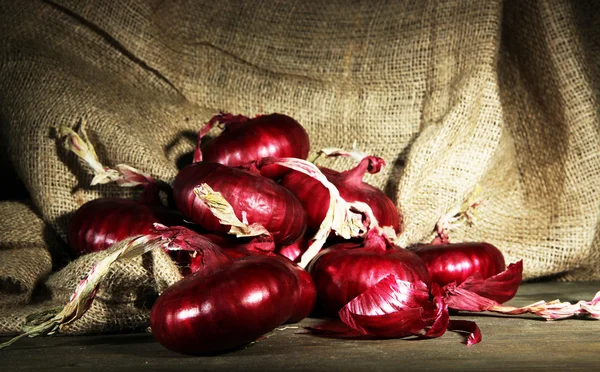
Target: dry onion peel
(477, 295)
(395, 308)
(169, 238)
(223, 211)
(465, 213)
(123, 175)
(345, 218)
(355, 154)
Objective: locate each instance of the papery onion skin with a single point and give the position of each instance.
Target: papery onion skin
(264, 201)
(395, 308)
(345, 270)
(242, 141)
(100, 223)
(455, 262)
(315, 197)
(208, 314)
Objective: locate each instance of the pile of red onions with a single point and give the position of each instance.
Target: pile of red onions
(256, 207)
(379, 289)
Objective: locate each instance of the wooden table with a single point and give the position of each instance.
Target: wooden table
(509, 344)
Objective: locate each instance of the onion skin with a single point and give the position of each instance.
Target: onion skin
(237, 249)
(456, 262)
(100, 223)
(265, 202)
(307, 297)
(346, 270)
(245, 140)
(315, 197)
(228, 308)
(294, 251)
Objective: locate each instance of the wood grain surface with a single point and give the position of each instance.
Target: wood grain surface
(509, 344)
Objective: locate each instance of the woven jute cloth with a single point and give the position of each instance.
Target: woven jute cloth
(452, 94)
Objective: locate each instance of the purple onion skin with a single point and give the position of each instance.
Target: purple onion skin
(308, 292)
(208, 314)
(264, 201)
(345, 270)
(295, 251)
(455, 262)
(307, 297)
(315, 197)
(100, 223)
(274, 135)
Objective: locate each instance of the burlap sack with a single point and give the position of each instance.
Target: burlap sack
(122, 303)
(453, 94)
(24, 252)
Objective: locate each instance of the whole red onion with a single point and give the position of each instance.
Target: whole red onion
(229, 307)
(456, 262)
(345, 270)
(315, 197)
(100, 223)
(240, 248)
(244, 140)
(264, 201)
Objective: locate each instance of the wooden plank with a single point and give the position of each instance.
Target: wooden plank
(509, 344)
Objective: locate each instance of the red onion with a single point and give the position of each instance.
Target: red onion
(295, 250)
(345, 270)
(234, 248)
(240, 248)
(472, 273)
(260, 200)
(315, 197)
(383, 291)
(244, 140)
(227, 308)
(100, 223)
(456, 262)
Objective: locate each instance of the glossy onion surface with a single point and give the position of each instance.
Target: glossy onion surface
(295, 251)
(207, 314)
(455, 262)
(100, 223)
(264, 201)
(344, 271)
(236, 250)
(274, 135)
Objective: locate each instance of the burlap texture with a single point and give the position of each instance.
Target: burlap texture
(452, 94)
(122, 303)
(24, 253)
